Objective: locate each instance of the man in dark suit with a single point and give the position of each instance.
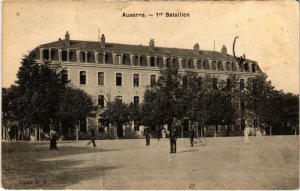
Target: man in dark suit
(147, 136)
(93, 137)
(173, 138)
(192, 136)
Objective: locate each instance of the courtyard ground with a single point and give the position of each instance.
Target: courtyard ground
(224, 163)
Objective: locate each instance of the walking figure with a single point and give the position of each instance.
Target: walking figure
(53, 139)
(159, 133)
(246, 132)
(192, 136)
(147, 136)
(173, 138)
(93, 137)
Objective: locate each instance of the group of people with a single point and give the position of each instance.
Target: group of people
(53, 138)
(173, 135)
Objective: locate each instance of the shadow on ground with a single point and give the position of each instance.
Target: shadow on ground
(35, 166)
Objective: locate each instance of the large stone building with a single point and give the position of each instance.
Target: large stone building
(121, 70)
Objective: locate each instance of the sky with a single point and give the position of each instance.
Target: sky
(268, 31)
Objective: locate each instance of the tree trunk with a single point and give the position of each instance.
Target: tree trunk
(270, 130)
(77, 132)
(39, 133)
(35, 133)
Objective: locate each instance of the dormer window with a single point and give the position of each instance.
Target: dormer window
(213, 65)
(64, 55)
(118, 59)
(253, 67)
(82, 56)
(220, 66)
(54, 54)
(152, 61)
(46, 54)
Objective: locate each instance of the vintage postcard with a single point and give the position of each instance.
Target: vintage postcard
(150, 95)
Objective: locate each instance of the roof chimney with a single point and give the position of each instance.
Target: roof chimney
(196, 49)
(224, 50)
(67, 38)
(151, 45)
(103, 41)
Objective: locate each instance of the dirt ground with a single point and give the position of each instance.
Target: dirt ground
(223, 163)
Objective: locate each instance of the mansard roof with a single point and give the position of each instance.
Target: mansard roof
(140, 49)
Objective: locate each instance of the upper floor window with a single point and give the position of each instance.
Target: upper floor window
(253, 67)
(64, 55)
(152, 62)
(100, 57)
(152, 80)
(242, 84)
(101, 101)
(64, 76)
(100, 78)
(136, 80)
(135, 60)
(82, 77)
(46, 54)
(119, 79)
(118, 59)
(136, 100)
(82, 56)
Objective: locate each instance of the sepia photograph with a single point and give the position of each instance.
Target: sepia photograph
(153, 95)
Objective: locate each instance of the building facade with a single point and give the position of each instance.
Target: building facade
(117, 70)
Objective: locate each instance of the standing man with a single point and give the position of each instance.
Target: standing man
(159, 134)
(93, 137)
(173, 138)
(147, 136)
(192, 136)
(53, 139)
(246, 132)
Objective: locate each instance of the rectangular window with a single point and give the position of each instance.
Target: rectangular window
(64, 77)
(82, 77)
(100, 127)
(118, 59)
(118, 79)
(46, 54)
(136, 80)
(136, 127)
(136, 100)
(152, 62)
(242, 84)
(101, 101)
(100, 78)
(152, 80)
(64, 55)
(82, 56)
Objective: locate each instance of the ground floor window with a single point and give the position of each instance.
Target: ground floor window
(136, 127)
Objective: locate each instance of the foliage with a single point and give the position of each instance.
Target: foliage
(41, 97)
(74, 105)
(116, 113)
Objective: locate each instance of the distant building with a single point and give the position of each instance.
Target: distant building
(123, 71)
